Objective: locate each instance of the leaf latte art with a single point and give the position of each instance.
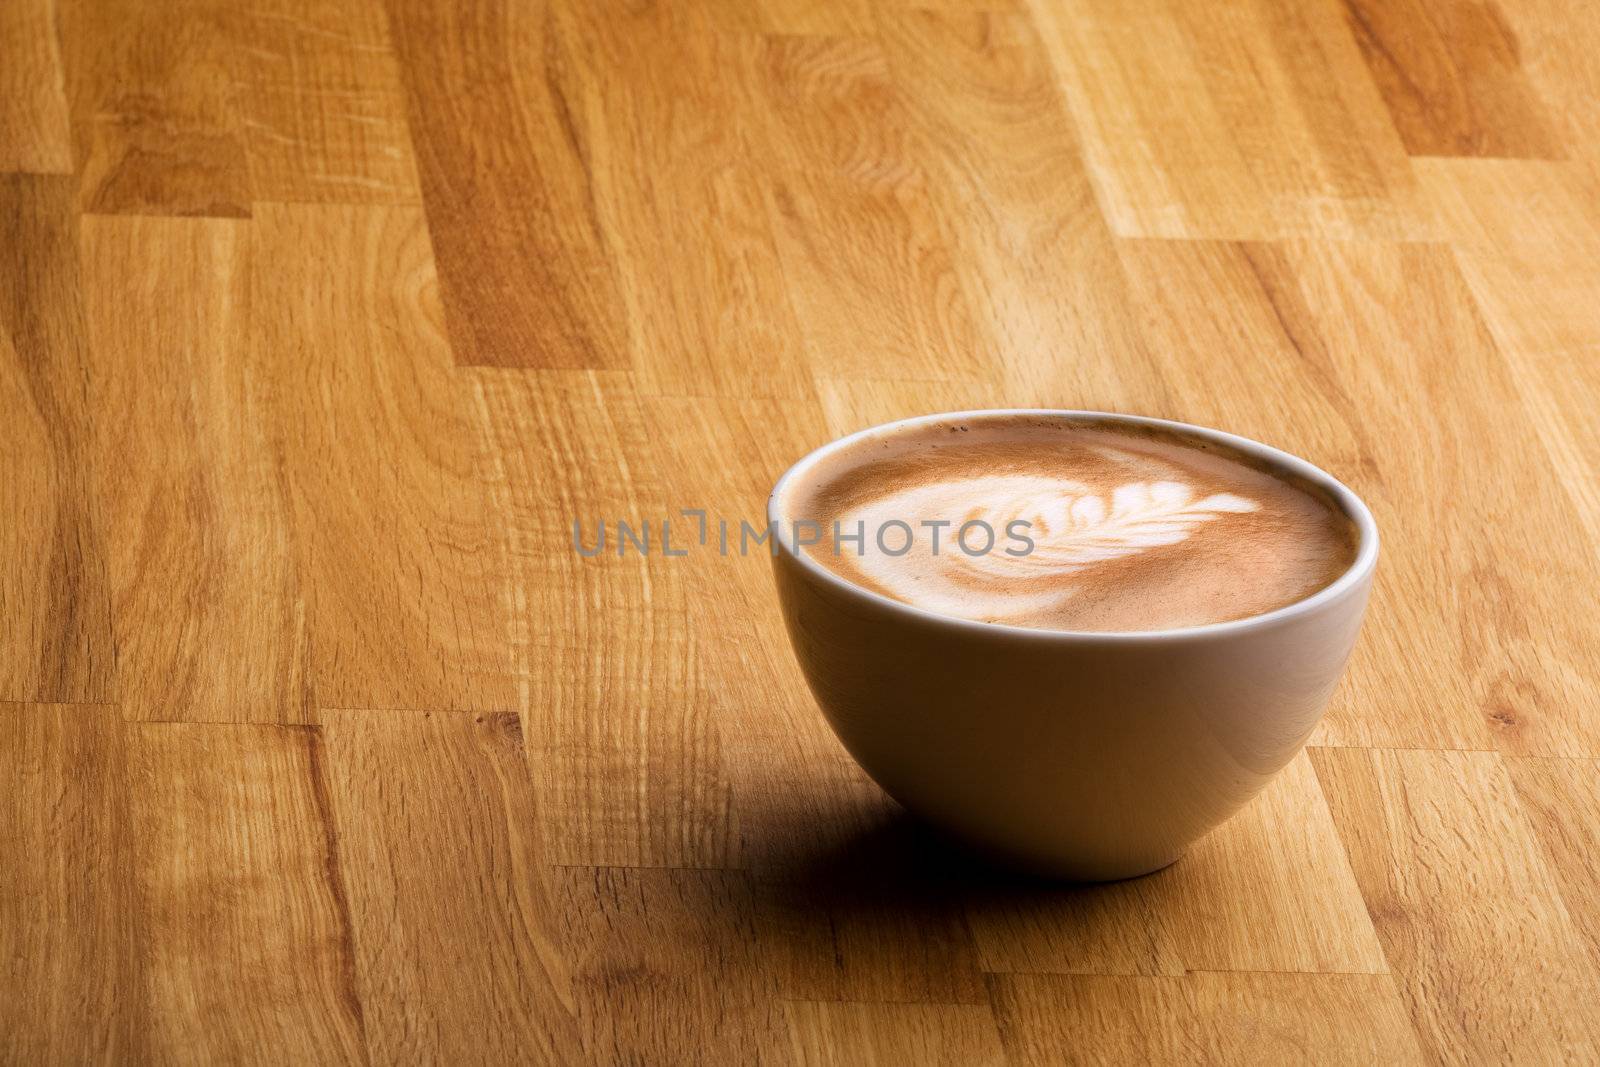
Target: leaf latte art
(1067, 524)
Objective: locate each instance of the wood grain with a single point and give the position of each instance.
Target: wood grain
(851, 297)
(1445, 859)
(1249, 902)
(1562, 803)
(1515, 590)
(484, 977)
(1365, 367)
(1525, 238)
(498, 93)
(1035, 256)
(830, 1033)
(1452, 76)
(828, 106)
(323, 111)
(240, 898)
(666, 968)
(1243, 900)
(628, 781)
(156, 126)
(855, 902)
(384, 459)
(54, 601)
(796, 18)
(856, 231)
(70, 990)
(35, 132)
(675, 120)
(323, 321)
(1212, 1017)
(1557, 55)
(1233, 127)
(207, 605)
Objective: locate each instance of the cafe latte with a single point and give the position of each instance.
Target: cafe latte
(1067, 524)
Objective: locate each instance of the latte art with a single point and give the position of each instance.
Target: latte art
(1057, 527)
(1070, 526)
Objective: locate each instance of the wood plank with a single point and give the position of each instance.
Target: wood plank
(156, 126)
(743, 648)
(869, 268)
(1033, 250)
(1358, 354)
(695, 247)
(828, 106)
(1526, 237)
(195, 109)
(1216, 1018)
(456, 940)
(404, 579)
(1558, 52)
(70, 989)
(1531, 668)
(206, 599)
(746, 644)
(1229, 357)
(55, 607)
(500, 97)
(241, 896)
(792, 18)
(1005, 7)
(1233, 126)
(1468, 911)
(848, 1034)
(634, 772)
(35, 129)
(1269, 890)
(324, 113)
(1561, 800)
(874, 283)
(692, 290)
(852, 404)
(1452, 76)
(1527, 227)
(666, 967)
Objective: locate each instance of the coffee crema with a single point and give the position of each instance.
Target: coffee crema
(1067, 524)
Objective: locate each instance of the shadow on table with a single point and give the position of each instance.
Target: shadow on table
(920, 908)
(899, 848)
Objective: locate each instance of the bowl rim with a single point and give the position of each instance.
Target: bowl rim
(1359, 571)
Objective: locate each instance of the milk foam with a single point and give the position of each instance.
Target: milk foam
(1129, 529)
(1070, 526)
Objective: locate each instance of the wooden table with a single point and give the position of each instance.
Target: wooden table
(321, 323)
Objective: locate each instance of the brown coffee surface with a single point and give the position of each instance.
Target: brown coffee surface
(1122, 527)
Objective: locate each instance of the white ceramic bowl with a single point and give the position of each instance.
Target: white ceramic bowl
(1081, 755)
